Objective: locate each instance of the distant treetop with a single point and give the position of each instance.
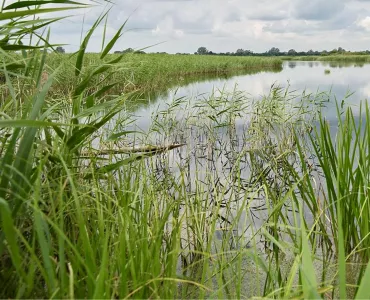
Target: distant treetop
(274, 51)
(129, 50)
(60, 50)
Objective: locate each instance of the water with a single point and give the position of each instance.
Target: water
(343, 79)
(221, 165)
(217, 156)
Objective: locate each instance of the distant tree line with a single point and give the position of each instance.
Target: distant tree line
(241, 52)
(129, 50)
(276, 52)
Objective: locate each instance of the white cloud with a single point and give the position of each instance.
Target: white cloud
(166, 28)
(226, 25)
(364, 23)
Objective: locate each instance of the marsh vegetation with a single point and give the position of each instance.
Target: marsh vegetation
(225, 195)
(351, 58)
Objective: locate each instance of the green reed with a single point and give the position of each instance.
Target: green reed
(153, 72)
(350, 58)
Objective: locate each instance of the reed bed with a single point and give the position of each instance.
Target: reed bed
(153, 72)
(334, 58)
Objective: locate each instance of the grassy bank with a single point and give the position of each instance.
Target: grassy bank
(334, 58)
(276, 208)
(157, 71)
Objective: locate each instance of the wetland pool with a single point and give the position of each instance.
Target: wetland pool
(212, 118)
(344, 79)
(229, 142)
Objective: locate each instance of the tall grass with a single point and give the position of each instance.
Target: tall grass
(237, 212)
(334, 58)
(151, 72)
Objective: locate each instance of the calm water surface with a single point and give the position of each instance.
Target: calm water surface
(210, 160)
(343, 79)
(347, 81)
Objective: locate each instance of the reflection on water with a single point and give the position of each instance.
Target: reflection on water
(229, 142)
(141, 101)
(234, 163)
(344, 78)
(292, 64)
(214, 146)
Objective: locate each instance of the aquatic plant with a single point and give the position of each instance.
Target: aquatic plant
(335, 58)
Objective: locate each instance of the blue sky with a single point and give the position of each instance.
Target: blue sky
(226, 25)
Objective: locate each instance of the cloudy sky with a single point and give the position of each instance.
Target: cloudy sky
(226, 25)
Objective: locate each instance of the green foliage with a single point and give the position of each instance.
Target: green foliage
(17, 27)
(202, 51)
(152, 72)
(354, 58)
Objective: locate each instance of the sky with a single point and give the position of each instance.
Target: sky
(223, 25)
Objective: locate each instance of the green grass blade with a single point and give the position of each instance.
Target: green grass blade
(100, 292)
(116, 166)
(23, 4)
(7, 227)
(363, 291)
(112, 42)
(341, 256)
(42, 232)
(23, 162)
(308, 274)
(29, 123)
(19, 47)
(104, 34)
(26, 13)
(82, 50)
